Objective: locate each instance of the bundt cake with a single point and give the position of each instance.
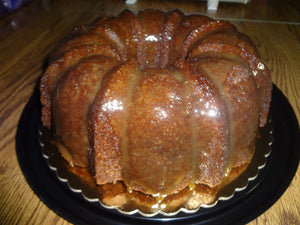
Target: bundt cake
(160, 101)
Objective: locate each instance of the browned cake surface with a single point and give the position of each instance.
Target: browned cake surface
(160, 101)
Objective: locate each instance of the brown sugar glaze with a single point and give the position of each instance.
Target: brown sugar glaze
(159, 101)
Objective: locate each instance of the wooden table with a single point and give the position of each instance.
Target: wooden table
(28, 35)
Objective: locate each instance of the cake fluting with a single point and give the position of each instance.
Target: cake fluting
(160, 101)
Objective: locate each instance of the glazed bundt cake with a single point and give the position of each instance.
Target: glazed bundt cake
(160, 101)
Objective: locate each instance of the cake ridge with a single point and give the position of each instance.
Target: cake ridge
(125, 137)
(198, 32)
(172, 22)
(72, 129)
(262, 76)
(57, 68)
(227, 117)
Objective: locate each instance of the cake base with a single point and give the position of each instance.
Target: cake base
(189, 200)
(117, 195)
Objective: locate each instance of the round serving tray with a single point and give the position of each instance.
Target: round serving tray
(243, 207)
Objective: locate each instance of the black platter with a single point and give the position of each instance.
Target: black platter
(243, 207)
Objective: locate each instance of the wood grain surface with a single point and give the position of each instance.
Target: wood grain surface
(28, 35)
